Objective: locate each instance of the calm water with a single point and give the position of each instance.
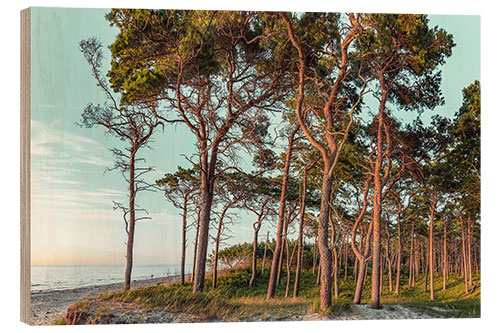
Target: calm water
(68, 277)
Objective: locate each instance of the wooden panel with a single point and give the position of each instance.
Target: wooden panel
(25, 163)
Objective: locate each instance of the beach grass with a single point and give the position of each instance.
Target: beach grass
(233, 300)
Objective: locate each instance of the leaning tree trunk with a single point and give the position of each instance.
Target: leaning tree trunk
(361, 257)
(362, 264)
(273, 277)
(131, 222)
(282, 254)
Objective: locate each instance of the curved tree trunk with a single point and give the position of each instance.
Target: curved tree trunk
(361, 257)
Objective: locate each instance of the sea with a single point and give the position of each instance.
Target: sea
(46, 278)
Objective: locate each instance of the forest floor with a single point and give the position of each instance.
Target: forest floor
(232, 300)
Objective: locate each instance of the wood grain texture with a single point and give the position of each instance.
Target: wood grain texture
(25, 164)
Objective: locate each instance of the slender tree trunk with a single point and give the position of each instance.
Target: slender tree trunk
(254, 254)
(355, 273)
(445, 258)
(282, 254)
(300, 245)
(216, 250)
(345, 262)
(315, 259)
(388, 258)
(377, 206)
(431, 243)
(273, 277)
(464, 260)
(375, 297)
(335, 273)
(289, 261)
(411, 278)
(195, 252)
(183, 248)
(426, 273)
(398, 267)
(362, 267)
(265, 253)
(469, 244)
(131, 222)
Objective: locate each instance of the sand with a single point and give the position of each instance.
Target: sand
(46, 306)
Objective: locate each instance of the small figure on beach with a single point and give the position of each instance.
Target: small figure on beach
(152, 276)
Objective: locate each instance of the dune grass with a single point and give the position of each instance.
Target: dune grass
(234, 300)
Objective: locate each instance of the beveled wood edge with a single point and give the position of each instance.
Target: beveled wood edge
(25, 165)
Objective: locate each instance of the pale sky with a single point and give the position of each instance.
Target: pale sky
(72, 219)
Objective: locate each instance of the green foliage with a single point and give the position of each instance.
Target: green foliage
(59, 321)
(408, 53)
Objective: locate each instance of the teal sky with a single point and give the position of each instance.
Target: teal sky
(72, 217)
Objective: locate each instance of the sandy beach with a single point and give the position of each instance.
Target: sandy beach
(46, 306)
